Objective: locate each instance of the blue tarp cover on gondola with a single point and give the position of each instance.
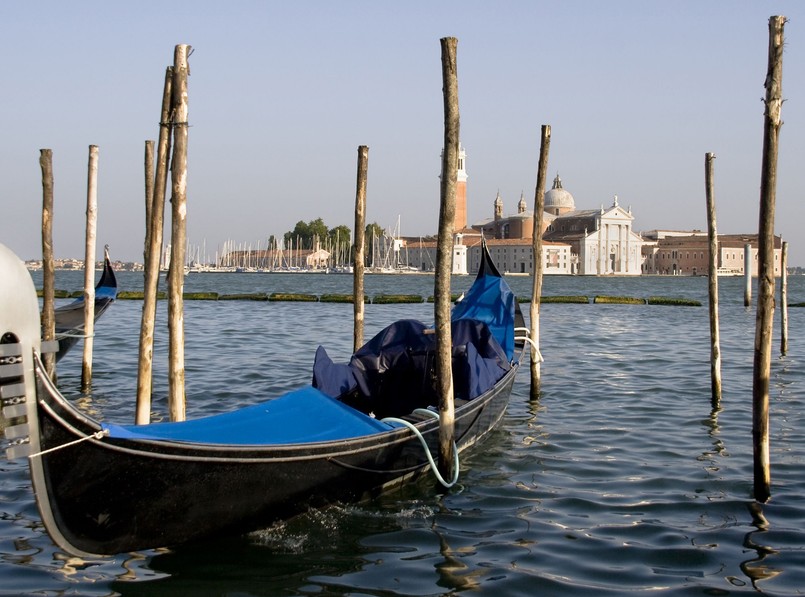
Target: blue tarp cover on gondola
(302, 416)
(394, 373)
(491, 300)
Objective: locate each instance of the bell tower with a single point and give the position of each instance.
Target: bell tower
(460, 217)
(460, 220)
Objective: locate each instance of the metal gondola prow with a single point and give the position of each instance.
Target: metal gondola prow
(19, 339)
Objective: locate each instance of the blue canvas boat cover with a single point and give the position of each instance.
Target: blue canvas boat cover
(491, 300)
(394, 373)
(301, 416)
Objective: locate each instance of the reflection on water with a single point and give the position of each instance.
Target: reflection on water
(623, 477)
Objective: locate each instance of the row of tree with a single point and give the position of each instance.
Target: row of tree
(307, 234)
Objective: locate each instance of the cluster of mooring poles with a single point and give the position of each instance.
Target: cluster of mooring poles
(48, 272)
(765, 269)
(172, 132)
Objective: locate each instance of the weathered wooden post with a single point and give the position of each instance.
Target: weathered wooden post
(142, 413)
(748, 275)
(155, 206)
(358, 249)
(712, 285)
(765, 304)
(444, 260)
(48, 273)
(148, 169)
(176, 394)
(539, 208)
(89, 268)
(784, 300)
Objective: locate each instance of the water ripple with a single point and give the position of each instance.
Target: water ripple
(623, 478)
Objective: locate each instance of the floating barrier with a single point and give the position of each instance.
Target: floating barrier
(340, 298)
(387, 299)
(618, 300)
(677, 302)
(243, 297)
(293, 297)
(390, 299)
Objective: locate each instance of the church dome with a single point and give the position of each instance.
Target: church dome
(558, 198)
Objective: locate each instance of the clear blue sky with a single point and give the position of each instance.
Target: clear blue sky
(283, 93)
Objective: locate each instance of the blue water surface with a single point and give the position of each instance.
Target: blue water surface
(623, 478)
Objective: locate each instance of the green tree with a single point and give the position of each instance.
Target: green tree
(373, 230)
(340, 234)
(300, 233)
(318, 232)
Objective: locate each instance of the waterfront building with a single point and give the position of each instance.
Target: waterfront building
(678, 253)
(581, 242)
(510, 256)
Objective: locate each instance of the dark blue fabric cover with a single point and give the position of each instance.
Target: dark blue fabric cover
(491, 300)
(394, 373)
(301, 416)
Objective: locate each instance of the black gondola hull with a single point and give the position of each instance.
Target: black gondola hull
(109, 496)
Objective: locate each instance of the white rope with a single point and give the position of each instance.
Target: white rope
(533, 345)
(417, 433)
(527, 338)
(72, 335)
(97, 435)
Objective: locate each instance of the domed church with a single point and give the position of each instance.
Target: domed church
(558, 201)
(601, 240)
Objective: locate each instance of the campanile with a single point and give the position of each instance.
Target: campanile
(460, 220)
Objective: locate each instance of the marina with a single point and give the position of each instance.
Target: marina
(622, 477)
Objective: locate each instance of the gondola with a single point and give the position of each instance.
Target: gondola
(359, 428)
(70, 317)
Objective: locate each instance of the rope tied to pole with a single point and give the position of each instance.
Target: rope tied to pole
(431, 461)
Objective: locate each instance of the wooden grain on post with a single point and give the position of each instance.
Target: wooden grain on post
(48, 270)
(765, 304)
(155, 206)
(358, 248)
(712, 282)
(536, 292)
(89, 268)
(444, 258)
(176, 371)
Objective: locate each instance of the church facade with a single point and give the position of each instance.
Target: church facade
(589, 242)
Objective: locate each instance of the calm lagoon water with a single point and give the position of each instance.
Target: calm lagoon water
(622, 479)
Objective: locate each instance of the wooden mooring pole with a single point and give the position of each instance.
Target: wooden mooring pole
(765, 304)
(359, 248)
(712, 279)
(748, 275)
(176, 369)
(155, 214)
(89, 268)
(444, 259)
(536, 293)
(784, 299)
(48, 272)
